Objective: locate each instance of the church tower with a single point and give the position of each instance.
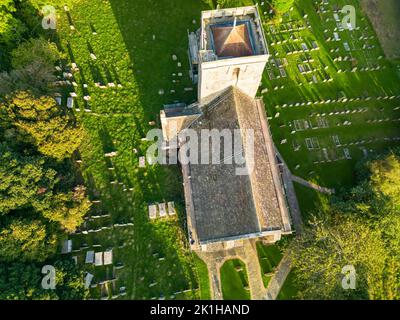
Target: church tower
(228, 50)
(232, 52)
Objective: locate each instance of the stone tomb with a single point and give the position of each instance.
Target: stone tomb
(152, 211)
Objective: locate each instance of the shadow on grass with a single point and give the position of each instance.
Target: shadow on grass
(152, 36)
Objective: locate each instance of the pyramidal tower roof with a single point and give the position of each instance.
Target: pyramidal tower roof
(232, 40)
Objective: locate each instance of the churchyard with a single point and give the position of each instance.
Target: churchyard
(331, 98)
(126, 61)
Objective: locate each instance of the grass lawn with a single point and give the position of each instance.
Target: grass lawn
(234, 280)
(310, 200)
(269, 257)
(289, 290)
(204, 280)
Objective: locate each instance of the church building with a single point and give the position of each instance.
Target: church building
(227, 58)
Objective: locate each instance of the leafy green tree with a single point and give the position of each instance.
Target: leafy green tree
(69, 281)
(10, 27)
(37, 78)
(390, 226)
(26, 240)
(24, 182)
(363, 230)
(33, 62)
(20, 281)
(281, 6)
(44, 124)
(68, 209)
(36, 51)
(378, 192)
(385, 180)
(329, 245)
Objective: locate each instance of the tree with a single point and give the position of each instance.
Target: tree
(390, 226)
(43, 123)
(363, 229)
(22, 281)
(26, 240)
(377, 193)
(33, 63)
(36, 51)
(26, 185)
(70, 281)
(24, 182)
(385, 180)
(36, 78)
(10, 27)
(331, 244)
(68, 209)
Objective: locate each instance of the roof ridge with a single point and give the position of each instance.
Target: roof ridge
(232, 31)
(232, 40)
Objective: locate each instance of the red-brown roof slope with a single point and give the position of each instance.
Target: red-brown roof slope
(232, 41)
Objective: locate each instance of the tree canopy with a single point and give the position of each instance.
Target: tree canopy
(68, 209)
(26, 240)
(10, 27)
(40, 200)
(36, 51)
(385, 180)
(361, 228)
(331, 244)
(24, 182)
(33, 68)
(41, 122)
(282, 6)
(22, 281)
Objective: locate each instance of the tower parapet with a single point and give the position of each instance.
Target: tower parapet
(232, 51)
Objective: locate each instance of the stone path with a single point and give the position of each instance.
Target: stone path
(277, 281)
(256, 283)
(248, 254)
(312, 185)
